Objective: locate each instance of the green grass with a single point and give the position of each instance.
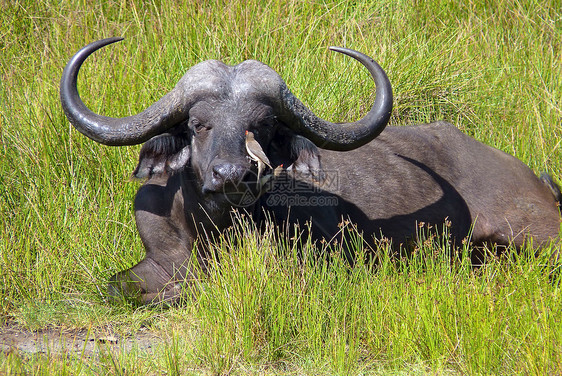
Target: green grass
(493, 68)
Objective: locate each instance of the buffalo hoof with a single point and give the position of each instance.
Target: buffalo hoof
(131, 291)
(145, 283)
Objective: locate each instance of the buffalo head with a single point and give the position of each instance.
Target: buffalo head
(202, 122)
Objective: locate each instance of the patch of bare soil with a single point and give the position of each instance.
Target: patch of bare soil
(82, 343)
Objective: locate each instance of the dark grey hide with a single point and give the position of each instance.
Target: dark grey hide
(197, 171)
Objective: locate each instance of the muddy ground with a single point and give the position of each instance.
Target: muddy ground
(82, 343)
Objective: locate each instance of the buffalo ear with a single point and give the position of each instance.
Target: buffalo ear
(162, 154)
(306, 159)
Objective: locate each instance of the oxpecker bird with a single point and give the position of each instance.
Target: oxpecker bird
(256, 153)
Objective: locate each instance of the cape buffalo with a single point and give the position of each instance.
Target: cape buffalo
(197, 168)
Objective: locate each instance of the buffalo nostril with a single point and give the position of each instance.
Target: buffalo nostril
(228, 172)
(217, 174)
(222, 172)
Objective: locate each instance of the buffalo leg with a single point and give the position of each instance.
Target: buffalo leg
(168, 241)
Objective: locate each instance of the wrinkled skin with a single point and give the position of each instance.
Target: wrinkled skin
(197, 172)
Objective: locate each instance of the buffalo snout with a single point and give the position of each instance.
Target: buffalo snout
(226, 176)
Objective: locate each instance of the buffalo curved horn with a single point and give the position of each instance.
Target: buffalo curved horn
(341, 136)
(167, 112)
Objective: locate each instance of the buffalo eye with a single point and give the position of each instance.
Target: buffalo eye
(196, 125)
